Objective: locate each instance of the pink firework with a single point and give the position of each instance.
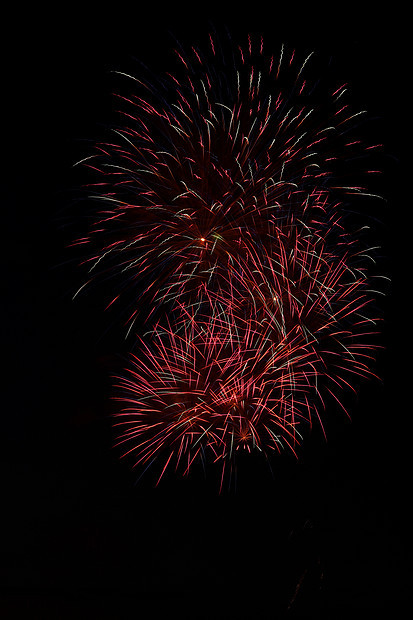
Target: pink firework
(216, 387)
(224, 195)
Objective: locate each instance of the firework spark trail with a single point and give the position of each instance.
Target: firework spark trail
(223, 209)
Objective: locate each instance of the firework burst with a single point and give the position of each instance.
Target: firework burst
(223, 196)
(220, 386)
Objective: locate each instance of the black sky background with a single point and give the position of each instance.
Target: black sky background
(328, 535)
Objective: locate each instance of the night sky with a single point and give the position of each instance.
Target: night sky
(322, 537)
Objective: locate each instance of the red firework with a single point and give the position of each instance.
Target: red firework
(223, 209)
(216, 387)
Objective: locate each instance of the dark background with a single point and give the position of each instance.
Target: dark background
(325, 536)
